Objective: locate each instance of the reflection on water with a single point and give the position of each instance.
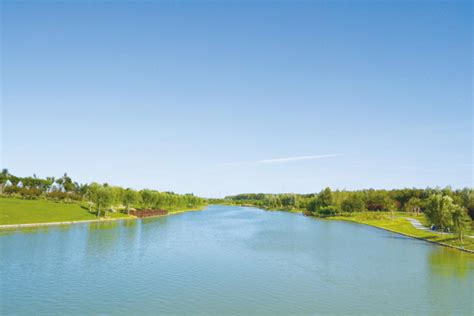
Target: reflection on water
(450, 263)
(229, 260)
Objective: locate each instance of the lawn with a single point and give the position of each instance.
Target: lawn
(18, 211)
(403, 226)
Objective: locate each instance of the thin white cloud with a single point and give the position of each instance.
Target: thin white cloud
(298, 158)
(278, 160)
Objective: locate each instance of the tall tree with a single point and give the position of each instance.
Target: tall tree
(439, 211)
(100, 196)
(461, 221)
(148, 198)
(129, 197)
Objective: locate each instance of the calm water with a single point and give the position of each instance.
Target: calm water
(230, 260)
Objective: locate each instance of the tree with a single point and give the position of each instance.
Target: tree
(378, 200)
(129, 197)
(353, 203)
(414, 205)
(4, 175)
(67, 183)
(439, 211)
(325, 198)
(467, 196)
(148, 198)
(461, 221)
(322, 204)
(100, 196)
(104, 198)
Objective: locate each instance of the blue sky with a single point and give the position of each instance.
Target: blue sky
(219, 98)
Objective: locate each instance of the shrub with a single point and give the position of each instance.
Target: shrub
(11, 190)
(30, 193)
(57, 195)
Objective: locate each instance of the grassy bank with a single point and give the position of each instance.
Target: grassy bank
(18, 211)
(404, 227)
(15, 211)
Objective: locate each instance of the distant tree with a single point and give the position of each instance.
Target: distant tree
(392, 207)
(378, 200)
(129, 197)
(148, 198)
(4, 175)
(322, 204)
(414, 205)
(353, 203)
(67, 183)
(325, 198)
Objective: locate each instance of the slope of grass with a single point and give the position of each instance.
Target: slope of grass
(18, 211)
(403, 226)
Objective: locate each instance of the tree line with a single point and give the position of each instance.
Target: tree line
(446, 209)
(100, 198)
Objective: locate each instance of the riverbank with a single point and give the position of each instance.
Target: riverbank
(18, 213)
(29, 225)
(404, 227)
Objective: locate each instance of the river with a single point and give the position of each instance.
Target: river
(229, 261)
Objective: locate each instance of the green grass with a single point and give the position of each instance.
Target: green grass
(18, 211)
(403, 226)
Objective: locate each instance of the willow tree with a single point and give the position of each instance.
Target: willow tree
(439, 211)
(461, 221)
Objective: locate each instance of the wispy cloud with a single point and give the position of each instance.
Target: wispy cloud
(298, 158)
(278, 160)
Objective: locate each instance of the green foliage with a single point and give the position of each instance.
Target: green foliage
(399, 200)
(129, 197)
(148, 198)
(323, 204)
(379, 200)
(353, 203)
(414, 205)
(30, 193)
(439, 211)
(99, 197)
(461, 221)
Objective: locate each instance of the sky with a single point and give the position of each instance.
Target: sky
(218, 98)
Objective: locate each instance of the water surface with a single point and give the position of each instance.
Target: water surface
(230, 260)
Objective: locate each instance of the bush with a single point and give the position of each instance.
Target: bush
(11, 190)
(31, 193)
(328, 211)
(57, 195)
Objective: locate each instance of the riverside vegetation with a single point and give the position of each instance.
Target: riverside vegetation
(26, 200)
(449, 213)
